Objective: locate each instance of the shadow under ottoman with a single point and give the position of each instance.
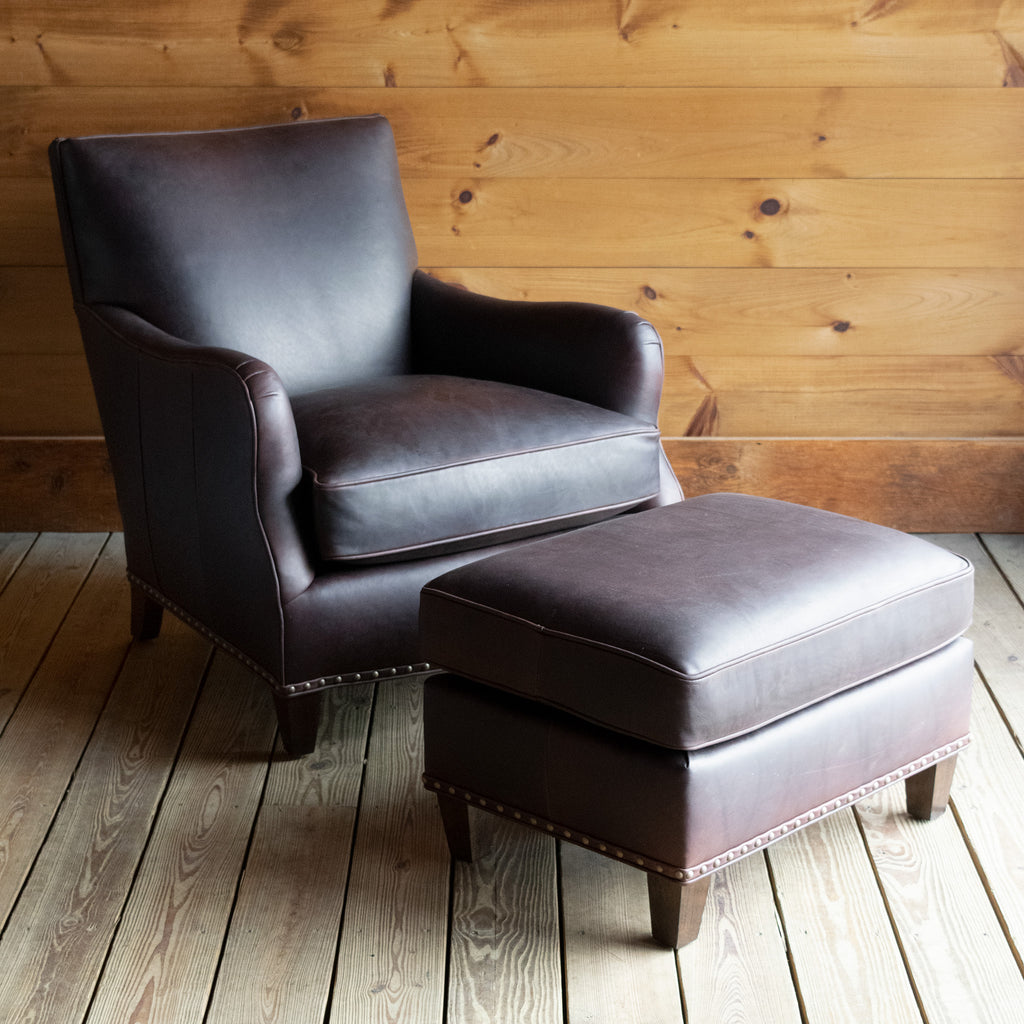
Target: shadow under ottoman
(680, 688)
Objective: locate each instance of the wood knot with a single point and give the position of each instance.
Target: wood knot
(465, 196)
(841, 326)
(770, 207)
(287, 39)
(649, 292)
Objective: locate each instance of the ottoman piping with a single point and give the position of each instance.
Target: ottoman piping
(705, 673)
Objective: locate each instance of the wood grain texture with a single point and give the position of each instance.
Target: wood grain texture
(523, 132)
(770, 183)
(62, 703)
(911, 485)
(34, 603)
(712, 222)
(277, 967)
(788, 312)
(844, 396)
(36, 314)
(698, 311)
(739, 959)
(44, 394)
(391, 965)
(614, 970)
(847, 962)
(163, 964)
(988, 782)
(68, 913)
(13, 548)
(29, 232)
(505, 928)
(63, 482)
(702, 222)
(998, 626)
(650, 42)
(935, 896)
(739, 976)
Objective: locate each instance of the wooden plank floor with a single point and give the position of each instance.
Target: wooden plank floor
(161, 862)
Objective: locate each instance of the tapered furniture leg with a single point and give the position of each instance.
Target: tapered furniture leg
(676, 909)
(928, 791)
(147, 615)
(298, 719)
(455, 815)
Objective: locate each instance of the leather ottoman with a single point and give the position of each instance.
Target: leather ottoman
(681, 687)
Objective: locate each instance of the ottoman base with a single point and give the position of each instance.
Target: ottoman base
(681, 815)
(677, 906)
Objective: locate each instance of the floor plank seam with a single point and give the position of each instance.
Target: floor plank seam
(918, 998)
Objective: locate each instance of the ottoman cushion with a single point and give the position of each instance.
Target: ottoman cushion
(697, 622)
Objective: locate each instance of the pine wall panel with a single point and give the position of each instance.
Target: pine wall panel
(817, 204)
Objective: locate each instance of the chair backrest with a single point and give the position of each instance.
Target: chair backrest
(289, 242)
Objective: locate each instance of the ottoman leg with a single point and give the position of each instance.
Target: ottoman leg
(455, 815)
(928, 791)
(676, 909)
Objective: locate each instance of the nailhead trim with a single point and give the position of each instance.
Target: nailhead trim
(752, 845)
(291, 689)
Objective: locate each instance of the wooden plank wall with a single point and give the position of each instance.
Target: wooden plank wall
(817, 203)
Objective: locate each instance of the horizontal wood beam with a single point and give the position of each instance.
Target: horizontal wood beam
(919, 485)
(595, 132)
(437, 43)
(56, 483)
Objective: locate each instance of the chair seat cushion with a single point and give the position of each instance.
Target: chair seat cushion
(409, 466)
(697, 622)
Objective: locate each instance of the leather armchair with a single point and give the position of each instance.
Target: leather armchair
(303, 427)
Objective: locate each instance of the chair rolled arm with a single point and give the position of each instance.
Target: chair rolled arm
(236, 455)
(607, 357)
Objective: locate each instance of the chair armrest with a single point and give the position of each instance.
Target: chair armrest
(604, 356)
(206, 460)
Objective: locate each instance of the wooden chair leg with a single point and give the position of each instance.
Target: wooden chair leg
(928, 791)
(147, 615)
(676, 909)
(455, 815)
(298, 720)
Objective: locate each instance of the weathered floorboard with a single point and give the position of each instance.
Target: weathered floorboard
(740, 959)
(69, 911)
(614, 970)
(33, 605)
(45, 736)
(505, 941)
(937, 899)
(391, 960)
(210, 882)
(846, 959)
(277, 967)
(164, 958)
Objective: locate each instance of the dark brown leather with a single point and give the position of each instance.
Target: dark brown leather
(701, 621)
(426, 464)
(218, 276)
(607, 357)
(685, 809)
(290, 242)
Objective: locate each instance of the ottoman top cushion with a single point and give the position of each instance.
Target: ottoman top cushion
(700, 621)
